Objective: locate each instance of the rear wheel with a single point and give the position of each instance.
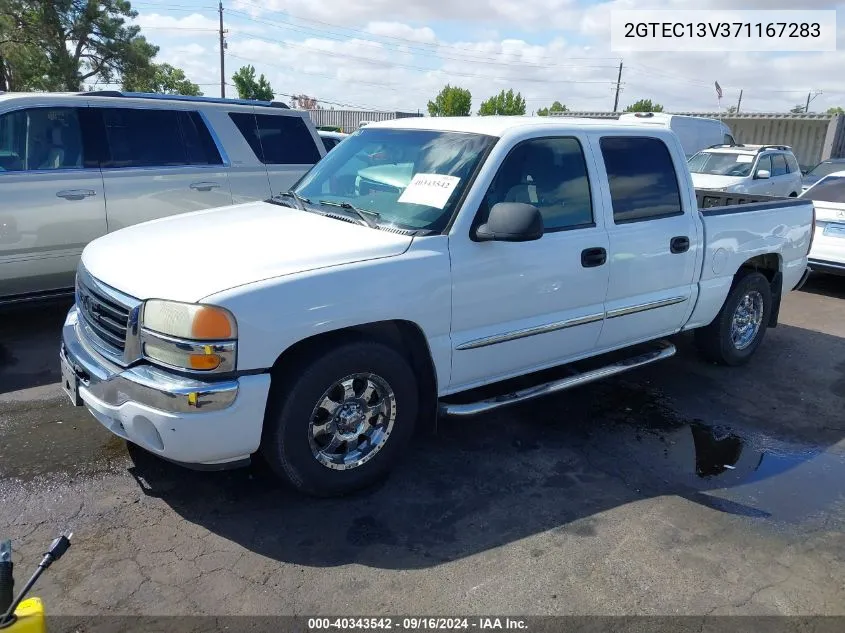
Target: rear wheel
(344, 421)
(736, 332)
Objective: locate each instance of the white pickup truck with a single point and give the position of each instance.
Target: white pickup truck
(420, 260)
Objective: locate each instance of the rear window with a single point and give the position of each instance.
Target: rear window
(792, 164)
(643, 182)
(277, 139)
(830, 189)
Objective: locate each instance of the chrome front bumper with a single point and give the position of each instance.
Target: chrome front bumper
(142, 384)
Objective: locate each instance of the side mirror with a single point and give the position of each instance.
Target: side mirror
(763, 174)
(511, 222)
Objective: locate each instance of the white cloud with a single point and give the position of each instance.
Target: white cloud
(398, 30)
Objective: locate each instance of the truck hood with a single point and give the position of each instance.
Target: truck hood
(193, 255)
(710, 181)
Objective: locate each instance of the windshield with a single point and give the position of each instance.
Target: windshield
(411, 178)
(721, 164)
(830, 189)
(823, 169)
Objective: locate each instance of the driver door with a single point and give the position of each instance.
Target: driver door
(523, 306)
(762, 186)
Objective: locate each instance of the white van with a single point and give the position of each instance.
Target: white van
(696, 133)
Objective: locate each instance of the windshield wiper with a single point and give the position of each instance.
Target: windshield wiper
(370, 218)
(300, 201)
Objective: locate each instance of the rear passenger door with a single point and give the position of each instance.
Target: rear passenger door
(159, 162)
(283, 143)
(51, 198)
(653, 241)
(782, 181)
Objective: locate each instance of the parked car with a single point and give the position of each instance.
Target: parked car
(331, 139)
(695, 133)
(824, 168)
(341, 318)
(74, 167)
(770, 170)
(828, 196)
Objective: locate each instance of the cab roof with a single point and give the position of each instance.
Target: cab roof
(501, 125)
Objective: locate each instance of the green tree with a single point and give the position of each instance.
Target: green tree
(557, 106)
(798, 108)
(67, 42)
(731, 109)
(160, 78)
(644, 105)
(250, 88)
(506, 103)
(451, 101)
(835, 110)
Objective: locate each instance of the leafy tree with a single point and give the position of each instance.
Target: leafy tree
(731, 110)
(67, 42)
(160, 78)
(250, 88)
(557, 106)
(835, 110)
(644, 105)
(451, 101)
(797, 109)
(506, 103)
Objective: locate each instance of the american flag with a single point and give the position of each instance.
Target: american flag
(718, 90)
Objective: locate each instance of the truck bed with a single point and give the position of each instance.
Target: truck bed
(710, 198)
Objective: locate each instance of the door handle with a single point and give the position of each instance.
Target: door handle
(204, 186)
(592, 257)
(75, 194)
(679, 244)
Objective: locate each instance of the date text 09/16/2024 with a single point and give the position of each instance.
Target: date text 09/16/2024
(417, 623)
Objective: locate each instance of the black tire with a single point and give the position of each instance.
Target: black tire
(286, 443)
(714, 341)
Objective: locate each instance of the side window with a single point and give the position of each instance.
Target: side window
(143, 138)
(277, 139)
(550, 174)
(286, 140)
(792, 164)
(729, 140)
(329, 143)
(765, 162)
(643, 182)
(199, 146)
(40, 138)
(778, 165)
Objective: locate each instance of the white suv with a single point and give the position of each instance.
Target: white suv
(769, 170)
(75, 166)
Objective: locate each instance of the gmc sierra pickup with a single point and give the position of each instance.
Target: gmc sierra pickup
(420, 260)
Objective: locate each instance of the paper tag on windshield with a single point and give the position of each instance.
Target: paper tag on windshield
(744, 158)
(432, 190)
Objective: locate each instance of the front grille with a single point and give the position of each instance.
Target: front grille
(106, 319)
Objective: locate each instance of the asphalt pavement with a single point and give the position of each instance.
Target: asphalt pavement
(679, 488)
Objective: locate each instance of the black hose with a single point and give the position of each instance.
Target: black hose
(7, 578)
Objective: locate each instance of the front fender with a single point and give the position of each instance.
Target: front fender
(275, 314)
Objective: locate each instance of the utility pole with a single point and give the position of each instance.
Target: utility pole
(739, 103)
(618, 83)
(222, 48)
(810, 97)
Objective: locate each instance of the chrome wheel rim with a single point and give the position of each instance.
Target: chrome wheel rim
(352, 421)
(747, 319)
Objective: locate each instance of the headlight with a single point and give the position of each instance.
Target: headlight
(188, 336)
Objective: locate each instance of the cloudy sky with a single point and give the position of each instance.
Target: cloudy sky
(397, 54)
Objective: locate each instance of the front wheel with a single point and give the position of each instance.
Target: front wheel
(344, 421)
(736, 332)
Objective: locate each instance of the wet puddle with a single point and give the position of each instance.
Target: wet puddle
(47, 437)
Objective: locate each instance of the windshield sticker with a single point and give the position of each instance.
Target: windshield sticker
(744, 158)
(432, 190)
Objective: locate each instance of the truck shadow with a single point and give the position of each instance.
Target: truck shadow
(680, 428)
(827, 285)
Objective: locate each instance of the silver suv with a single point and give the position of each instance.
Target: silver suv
(76, 166)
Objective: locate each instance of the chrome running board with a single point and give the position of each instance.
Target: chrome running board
(663, 350)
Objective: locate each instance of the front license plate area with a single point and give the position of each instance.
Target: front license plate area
(70, 382)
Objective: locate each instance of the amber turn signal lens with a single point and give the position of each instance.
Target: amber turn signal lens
(204, 361)
(210, 323)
